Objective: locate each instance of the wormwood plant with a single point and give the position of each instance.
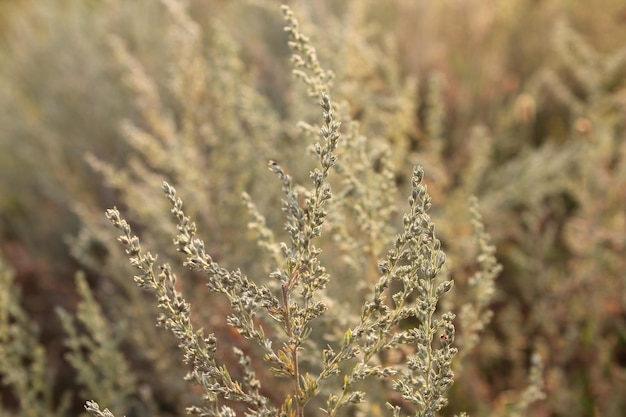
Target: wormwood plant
(23, 368)
(414, 260)
(100, 366)
(280, 316)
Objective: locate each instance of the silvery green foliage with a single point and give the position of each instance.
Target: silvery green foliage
(101, 368)
(23, 367)
(414, 261)
(94, 409)
(279, 315)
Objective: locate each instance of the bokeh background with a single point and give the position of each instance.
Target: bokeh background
(521, 103)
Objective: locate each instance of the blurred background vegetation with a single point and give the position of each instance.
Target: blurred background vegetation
(521, 103)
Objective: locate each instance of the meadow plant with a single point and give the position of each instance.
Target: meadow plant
(23, 364)
(547, 165)
(281, 322)
(415, 260)
(96, 356)
(193, 130)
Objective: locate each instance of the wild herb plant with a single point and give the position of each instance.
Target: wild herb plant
(414, 261)
(548, 164)
(101, 367)
(581, 265)
(195, 129)
(23, 365)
